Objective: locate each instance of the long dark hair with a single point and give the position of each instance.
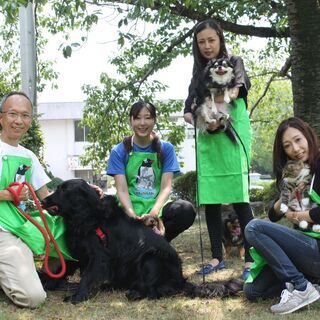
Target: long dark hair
(280, 157)
(199, 61)
(134, 113)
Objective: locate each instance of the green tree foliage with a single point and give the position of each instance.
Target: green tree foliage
(33, 139)
(275, 105)
(152, 33)
(107, 110)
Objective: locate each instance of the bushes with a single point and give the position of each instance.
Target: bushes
(184, 187)
(52, 185)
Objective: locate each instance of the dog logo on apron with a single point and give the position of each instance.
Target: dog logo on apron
(21, 173)
(21, 177)
(145, 181)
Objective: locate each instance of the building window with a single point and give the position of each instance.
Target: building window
(190, 133)
(80, 133)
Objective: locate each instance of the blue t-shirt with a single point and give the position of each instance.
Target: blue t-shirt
(119, 158)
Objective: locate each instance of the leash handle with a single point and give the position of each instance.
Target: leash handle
(46, 232)
(15, 192)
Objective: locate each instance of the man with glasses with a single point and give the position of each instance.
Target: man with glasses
(19, 238)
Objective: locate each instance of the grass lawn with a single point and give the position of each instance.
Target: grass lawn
(114, 305)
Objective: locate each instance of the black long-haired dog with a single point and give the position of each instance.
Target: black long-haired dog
(121, 252)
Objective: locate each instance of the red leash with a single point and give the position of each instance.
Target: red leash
(45, 231)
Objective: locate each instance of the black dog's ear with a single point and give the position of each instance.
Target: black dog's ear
(110, 206)
(89, 194)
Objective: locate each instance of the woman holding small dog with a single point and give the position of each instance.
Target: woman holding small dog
(222, 164)
(143, 168)
(287, 259)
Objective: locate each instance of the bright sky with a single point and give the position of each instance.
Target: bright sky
(87, 62)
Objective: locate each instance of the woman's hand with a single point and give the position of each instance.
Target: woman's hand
(296, 217)
(213, 126)
(233, 93)
(188, 117)
(293, 216)
(98, 190)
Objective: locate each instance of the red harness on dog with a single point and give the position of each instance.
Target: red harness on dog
(102, 236)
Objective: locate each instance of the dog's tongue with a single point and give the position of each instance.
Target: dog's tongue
(156, 230)
(220, 72)
(52, 208)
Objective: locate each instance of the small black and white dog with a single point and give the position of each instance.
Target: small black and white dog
(218, 78)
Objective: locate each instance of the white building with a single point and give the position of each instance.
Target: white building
(65, 140)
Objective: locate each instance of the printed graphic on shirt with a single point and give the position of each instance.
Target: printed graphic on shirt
(21, 173)
(145, 181)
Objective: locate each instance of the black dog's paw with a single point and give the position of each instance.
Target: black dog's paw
(134, 295)
(75, 298)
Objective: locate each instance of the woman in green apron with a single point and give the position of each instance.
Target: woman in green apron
(222, 165)
(143, 168)
(285, 258)
(19, 238)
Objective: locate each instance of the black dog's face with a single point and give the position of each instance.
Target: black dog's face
(233, 225)
(68, 196)
(220, 71)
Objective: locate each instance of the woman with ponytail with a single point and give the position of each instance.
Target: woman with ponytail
(143, 167)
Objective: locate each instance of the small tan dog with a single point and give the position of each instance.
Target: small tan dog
(155, 223)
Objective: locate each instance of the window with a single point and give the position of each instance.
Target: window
(190, 133)
(80, 133)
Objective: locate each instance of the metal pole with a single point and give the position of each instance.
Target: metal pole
(28, 53)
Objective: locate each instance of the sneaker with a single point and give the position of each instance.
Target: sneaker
(209, 268)
(292, 300)
(245, 273)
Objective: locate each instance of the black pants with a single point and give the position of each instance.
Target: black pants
(214, 226)
(177, 216)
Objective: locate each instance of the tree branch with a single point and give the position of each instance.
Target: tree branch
(247, 30)
(282, 73)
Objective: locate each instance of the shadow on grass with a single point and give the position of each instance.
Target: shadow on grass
(114, 305)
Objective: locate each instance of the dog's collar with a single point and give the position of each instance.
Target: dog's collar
(102, 236)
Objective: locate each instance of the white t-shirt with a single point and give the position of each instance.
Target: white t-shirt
(38, 175)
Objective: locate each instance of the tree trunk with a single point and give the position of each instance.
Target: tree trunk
(304, 22)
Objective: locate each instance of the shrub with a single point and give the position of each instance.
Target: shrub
(184, 186)
(256, 195)
(55, 181)
(270, 193)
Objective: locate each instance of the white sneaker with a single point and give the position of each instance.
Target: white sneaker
(292, 300)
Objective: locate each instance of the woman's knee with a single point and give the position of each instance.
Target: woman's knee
(251, 228)
(187, 210)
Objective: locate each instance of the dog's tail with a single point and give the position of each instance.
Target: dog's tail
(215, 289)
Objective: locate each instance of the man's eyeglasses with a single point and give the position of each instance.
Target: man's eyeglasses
(14, 115)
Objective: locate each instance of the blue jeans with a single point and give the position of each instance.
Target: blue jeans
(291, 257)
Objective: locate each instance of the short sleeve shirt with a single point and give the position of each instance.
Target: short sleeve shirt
(119, 158)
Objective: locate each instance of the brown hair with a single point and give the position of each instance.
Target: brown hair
(280, 157)
(156, 144)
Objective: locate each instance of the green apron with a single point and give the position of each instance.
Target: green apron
(222, 165)
(260, 262)
(12, 220)
(143, 177)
